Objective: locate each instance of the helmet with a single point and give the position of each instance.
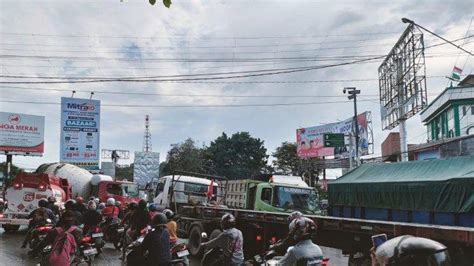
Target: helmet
(169, 213)
(410, 250)
(118, 203)
(227, 221)
(97, 200)
(110, 202)
(69, 205)
(142, 204)
(91, 205)
(152, 207)
(79, 200)
(101, 206)
(42, 203)
(302, 228)
(132, 205)
(51, 199)
(159, 219)
(294, 215)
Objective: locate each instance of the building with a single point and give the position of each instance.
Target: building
(451, 114)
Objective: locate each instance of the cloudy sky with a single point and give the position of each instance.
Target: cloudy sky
(110, 39)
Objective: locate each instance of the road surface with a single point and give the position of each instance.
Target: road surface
(11, 254)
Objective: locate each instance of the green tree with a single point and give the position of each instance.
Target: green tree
(287, 161)
(238, 156)
(14, 170)
(124, 172)
(185, 156)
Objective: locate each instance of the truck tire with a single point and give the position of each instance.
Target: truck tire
(194, 240)
(215, 233)
(11, 228)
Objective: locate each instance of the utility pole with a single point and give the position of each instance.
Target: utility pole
(147, 135)
(352, 91)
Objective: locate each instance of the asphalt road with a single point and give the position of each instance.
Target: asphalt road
(11, 254)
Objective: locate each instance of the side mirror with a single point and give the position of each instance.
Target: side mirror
(203, 235)
(48, 221)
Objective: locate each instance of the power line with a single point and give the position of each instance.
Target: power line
(189, 106)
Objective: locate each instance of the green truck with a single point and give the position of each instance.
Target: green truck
(279, 194)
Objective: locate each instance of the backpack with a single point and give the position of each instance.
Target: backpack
(63, 246)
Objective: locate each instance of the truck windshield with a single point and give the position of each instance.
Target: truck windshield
(130, 190)
(294, 198)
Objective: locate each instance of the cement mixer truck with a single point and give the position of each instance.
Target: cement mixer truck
(85, 184)
(63, 181)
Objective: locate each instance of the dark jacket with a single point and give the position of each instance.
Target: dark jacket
(53, 207)
(157, 243)
(51, 236)
(91, 217)
(49, 213)
(139, 219)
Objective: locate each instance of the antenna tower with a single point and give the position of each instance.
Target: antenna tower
(147, 135)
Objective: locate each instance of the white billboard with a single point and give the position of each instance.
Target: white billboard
(21, 134)
(80, 132)
(146, 166)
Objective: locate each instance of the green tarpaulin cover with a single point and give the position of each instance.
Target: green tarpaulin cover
(436, 185)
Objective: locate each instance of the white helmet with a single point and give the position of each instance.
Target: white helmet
(110, 202)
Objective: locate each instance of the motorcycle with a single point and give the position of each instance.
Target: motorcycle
(212, 256)
(87, 249)
(114, 232)
(39, 233)
(270, 258)
(97, 236)
(180, 251)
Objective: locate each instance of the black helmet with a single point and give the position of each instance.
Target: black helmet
(70, 204)
(132, 206)
(42, 203)
(410, 250)
(169, 213)
(51, 199)
(159, 219)
(152, 207)
(227, 221)
(142, 204)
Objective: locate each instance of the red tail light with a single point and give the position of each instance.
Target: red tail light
(42, 187)
(97, 229)
(274, 239)
(17, 186)
(44, 228)
(258, 238)
(86, 239)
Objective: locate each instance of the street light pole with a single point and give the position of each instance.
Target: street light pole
(352, 91)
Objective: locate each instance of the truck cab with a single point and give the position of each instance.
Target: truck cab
(183, 190)
(122, 191)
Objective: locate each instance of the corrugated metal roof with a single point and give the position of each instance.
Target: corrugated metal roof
(413, 171)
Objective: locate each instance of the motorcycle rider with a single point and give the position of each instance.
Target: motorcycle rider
(52, 205)
(111, 211)
(131, 206)
(80, 207)
(38, 217)
(156, 243)
(171, 225)
(410, 250)
(91, 217)
(281, 246)
(304, 252)
(152, 210)
(230, 240)
(70, 205)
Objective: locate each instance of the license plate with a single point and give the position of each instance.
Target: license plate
(91, 251)
(140, 240)
(120, 230)
(97, 235)
(47, 248)
(183, 253)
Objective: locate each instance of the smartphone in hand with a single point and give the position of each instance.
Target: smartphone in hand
(378, 240)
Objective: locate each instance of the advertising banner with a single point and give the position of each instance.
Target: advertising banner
(146, 166)
(21, 134)
(310, 142)
(80, 132)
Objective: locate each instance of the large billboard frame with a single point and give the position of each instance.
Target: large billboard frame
(21, 134)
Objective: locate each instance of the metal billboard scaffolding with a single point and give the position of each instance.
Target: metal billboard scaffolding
(402, 82)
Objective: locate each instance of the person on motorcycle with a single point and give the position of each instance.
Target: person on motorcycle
(118, 204)
(410, 250)
(281, 246)
(230, 241)
(70, 205)
(110, 211)
(91, 217)
(38, 217)
(68, 220)
(2, 205)
(139, 219)
(171, 225)
(52, 205)
(80, 207)
(152, 210)
(131, 206)
(156, 242)
(304, 252)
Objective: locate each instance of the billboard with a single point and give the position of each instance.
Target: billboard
(146, 166)
(80, 132)
(21, 134)
(310, 142)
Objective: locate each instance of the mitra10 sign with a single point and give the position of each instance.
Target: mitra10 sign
(21, 134)
(80, 132)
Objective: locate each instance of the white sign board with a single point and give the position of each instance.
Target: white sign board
(146, 166)
(80, 132)
(21, 134)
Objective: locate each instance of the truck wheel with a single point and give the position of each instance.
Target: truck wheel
(195, 240)
(215, 233)
(11, 228)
